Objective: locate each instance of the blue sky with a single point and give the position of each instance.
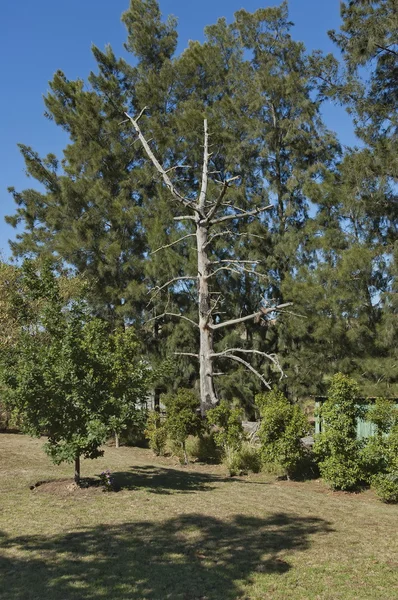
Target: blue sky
(37, 38)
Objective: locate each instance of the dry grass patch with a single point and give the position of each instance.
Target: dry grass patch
(185, 533)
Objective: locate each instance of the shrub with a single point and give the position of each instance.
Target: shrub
(203, 448)
(242, 461)
(380, 455)
(386, 487)
(337, 447)
(156, 433)
(182, 417)
(282, 427)
(227, 421)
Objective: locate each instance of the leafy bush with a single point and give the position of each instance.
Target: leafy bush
(203, 448)
(386, 487)
(156, 433)
(337, 447)
(242, 461)
(227, 421)
(380, 455)
(182, 417)
(282, 427)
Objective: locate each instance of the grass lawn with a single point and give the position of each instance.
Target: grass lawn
(185, 533)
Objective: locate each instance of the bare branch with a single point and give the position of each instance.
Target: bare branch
(272, 357)
(238, 271)
(168, 314)
(235, 261)
(248, 213)
(173, 243)
(178, 167)
(223, 192)
(175, 193)
(248, 366)
(184, 218)
(158, 289)
(140, 115)
(258, 314)
(186, 354)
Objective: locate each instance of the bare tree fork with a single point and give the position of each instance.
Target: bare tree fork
(207, 212)
(169, 184)
(169, 314)
(174, 243)
(220, 198)
(271, 357)
(249, 367)
(257, 315)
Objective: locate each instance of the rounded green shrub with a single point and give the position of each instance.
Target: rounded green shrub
(386, 487)
(156, 433)
(242, 461)
(282, 427)
(337, 448)
(203, 448)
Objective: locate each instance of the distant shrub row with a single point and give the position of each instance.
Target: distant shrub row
(342, 460)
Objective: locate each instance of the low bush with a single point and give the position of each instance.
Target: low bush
(242, 461)
(203, 448)
(386, 487)
(156, 433)
(380, 455)
(282, 427)
(182, 418)
(337, 449)
(227, 426)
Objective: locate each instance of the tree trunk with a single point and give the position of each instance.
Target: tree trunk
(77, 469)
(117, 444)
(207, 394)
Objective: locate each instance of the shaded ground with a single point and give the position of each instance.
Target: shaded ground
(185, 534)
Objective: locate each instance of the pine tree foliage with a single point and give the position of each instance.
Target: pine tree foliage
(329, 243)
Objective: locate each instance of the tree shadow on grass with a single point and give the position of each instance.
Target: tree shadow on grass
(161, 480)
(189, 557)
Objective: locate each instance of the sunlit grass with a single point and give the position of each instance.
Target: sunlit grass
(186, 533)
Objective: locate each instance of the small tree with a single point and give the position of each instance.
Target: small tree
(282, 427)
(183, 417)
(58, 376)
(337, 447)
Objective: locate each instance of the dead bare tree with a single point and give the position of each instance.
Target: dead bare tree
(206, 214)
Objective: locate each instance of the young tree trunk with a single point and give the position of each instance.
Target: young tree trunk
(77, 469)
(117, 444)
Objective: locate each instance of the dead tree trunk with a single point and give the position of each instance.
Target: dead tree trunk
(207, 215)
